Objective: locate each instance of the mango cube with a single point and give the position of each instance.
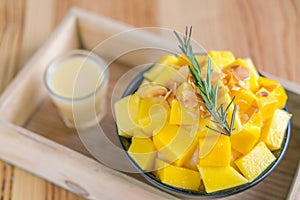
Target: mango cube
(255, 162)
(214, 150)
(234, 156)
(180, 177)
(126, 111)
(220, 178)
(176, 144)
(267, 83)
(165, 61)
(267, 102)
(159, 166)
(281, 96)
(153, 115)
(249, 64)
(165, 76)
(181, 115)
(193, 161)
(274, 87)
(274, 129)
(202, 127)
(245, 140)
(143, 152)
(253, 81)
(243, 98)
(221, 58)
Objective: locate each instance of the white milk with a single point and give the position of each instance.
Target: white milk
(77, 84)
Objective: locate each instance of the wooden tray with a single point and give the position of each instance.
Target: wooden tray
(33, 137)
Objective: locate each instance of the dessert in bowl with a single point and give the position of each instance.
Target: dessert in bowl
(205, 125)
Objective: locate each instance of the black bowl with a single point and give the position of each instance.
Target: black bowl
(125, 142)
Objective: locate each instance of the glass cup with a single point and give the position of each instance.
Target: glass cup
(77, 84)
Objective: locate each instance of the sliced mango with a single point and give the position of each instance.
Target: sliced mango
(176, 143)
(253, 81)
(165, 76)
(221, 58)
(267, 102)
(143, 153)
(189, 153)
(281, 96)
(243, 98)
(220, 178)
(245, 140)
(126, 111)
(267, 83)
(234, 156)
(165, 61)
(214, 150)
(249, 64)
(123, 134)
(158, 167)
(180, 177)
(153, 115)
(202, 127)
(193, 161)
(255, 162)
(274, 129)
(181, 115)
(274, 87)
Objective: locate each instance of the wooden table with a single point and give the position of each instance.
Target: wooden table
(267, 31)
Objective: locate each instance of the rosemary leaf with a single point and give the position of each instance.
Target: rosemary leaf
(208, 92)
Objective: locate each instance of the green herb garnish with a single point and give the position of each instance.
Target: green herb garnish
(208, 92)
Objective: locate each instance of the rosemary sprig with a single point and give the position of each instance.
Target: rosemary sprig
(208, 92)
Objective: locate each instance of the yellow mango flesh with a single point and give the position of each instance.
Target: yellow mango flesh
(274, 87)
(182, 60)
(159, 166)
(152, 115)
(165, 61)
(143, 153)
(126, 110)
(267, 83)
(181, 115)
(253, 81)
(220, 178)
(234, 156)
(176, 144)
(245, 140)
(193, 161)
(214, 150)
(281, 96)
(267, 102)
(182, 140)
(243, 99)
(221, 58)
(165, 76)
(255, 162)
(249, 64)
(202, 127)
(123, 134)
(180, 177)
(189, 152)
(274, 129)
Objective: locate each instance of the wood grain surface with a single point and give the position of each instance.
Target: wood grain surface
(267, 31)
